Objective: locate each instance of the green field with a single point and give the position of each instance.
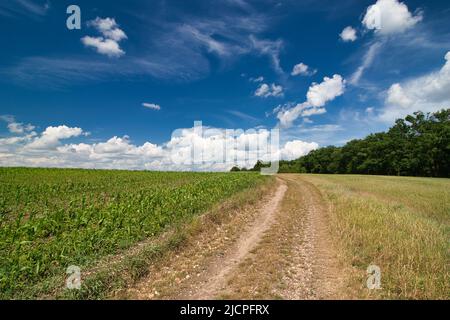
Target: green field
(53, 218)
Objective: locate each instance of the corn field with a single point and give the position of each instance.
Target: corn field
(53, 218)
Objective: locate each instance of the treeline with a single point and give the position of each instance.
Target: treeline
(418, 145)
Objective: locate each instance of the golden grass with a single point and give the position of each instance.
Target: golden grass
(399, 224)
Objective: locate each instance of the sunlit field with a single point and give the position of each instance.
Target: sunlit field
(400, 224)
(53, 218)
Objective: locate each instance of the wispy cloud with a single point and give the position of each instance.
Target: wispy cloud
(243, 115)
(29, 8)
(271, 49)
(152, 106)
(56, 73)
(180, 48)
(367, 61)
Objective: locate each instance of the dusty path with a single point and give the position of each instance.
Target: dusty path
(315, 270)
(220, 270)
(282, 248)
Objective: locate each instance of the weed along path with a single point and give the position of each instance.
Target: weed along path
(278, 248)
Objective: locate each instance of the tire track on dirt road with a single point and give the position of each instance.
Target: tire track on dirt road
(281, 248)
(201, 269)
(297, 259)
(219, 271)
(315, 267)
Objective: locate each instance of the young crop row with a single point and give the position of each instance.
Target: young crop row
(52, 218)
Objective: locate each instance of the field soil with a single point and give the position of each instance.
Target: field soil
(280, 248)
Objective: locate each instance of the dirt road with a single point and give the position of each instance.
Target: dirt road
(280, 249)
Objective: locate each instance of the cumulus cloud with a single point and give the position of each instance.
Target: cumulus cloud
(297, 148)
(113, 149)
(389, 17)
(348, 34)
(108, 43)
(103, 46)
(396, 96)
(318, 95)
(265, 90)
(108, 28)
(52, 135)
(302, 69)
(427, 93)
(152, 106)
(199, 148)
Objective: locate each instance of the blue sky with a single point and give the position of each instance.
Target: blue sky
(227, 63)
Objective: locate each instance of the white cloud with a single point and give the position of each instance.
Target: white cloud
(108, 44)
(427, 93)
(348, 34)
(103, 46)
(108, 28)
(16, 127)
(389, 17)
(215, 149)
(113, 148)
(318, 95)
(152, 106)
(287, 116)
(303, 70)
(52, 135)
(297, 148)
(258, 79)
(396, 96)
(264, 90)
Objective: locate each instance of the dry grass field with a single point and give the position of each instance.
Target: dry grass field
(400, 224)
